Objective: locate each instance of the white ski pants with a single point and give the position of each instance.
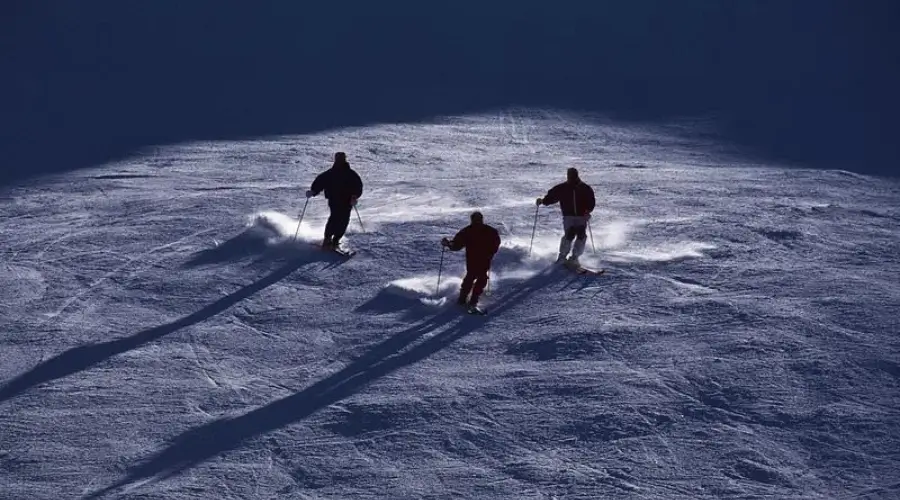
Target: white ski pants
(574, 228)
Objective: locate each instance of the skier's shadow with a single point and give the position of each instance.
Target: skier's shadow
(581, 282)
(209, 440)
(412, 305)
(85, 357)
(254, 243)
(245, 245)
(202, 443)
(528, 287)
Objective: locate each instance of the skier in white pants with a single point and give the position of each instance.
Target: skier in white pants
(576, 201)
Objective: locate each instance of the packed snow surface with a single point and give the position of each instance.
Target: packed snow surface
(166, 336)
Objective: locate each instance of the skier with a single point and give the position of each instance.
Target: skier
(342, 186)
(576, 201)
(481, 242)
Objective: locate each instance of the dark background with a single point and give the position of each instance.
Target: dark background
(813, 82)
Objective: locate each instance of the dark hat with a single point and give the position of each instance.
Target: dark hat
(477, 218)
(340, 156)
(572, 174)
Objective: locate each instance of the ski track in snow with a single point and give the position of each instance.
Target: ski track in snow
(166, 337)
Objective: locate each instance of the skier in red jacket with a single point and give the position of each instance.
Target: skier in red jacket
(481, 242)
(576, 201)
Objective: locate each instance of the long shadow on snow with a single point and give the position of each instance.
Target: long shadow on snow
(253, 243)
(207, 441)
(249, 243)
(85, 357)
(387, 301)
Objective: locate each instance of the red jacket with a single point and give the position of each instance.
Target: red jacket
(574, 198)
(481, 242)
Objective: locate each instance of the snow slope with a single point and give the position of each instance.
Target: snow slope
(164, 337)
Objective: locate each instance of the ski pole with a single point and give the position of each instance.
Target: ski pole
(440, 270)
(533, 229)
(360, 219)
(592, 236)
(301, 219)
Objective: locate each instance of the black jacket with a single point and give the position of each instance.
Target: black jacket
(573, 198)
(340, 183)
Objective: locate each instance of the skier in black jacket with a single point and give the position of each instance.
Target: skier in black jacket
(342, 187)
(576, 201)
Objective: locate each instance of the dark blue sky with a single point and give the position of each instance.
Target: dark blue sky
(812, 82)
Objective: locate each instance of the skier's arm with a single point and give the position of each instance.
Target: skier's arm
(551, 197)
(591, 200)
(496, 243)
(319, 183)
(357, 185)
(459, 241)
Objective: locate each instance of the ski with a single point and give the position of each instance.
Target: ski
(592, 272)
(476, 311)
(339, 251)
(578, 268)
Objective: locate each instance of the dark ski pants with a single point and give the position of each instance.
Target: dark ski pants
(475, 281)
(337, 223)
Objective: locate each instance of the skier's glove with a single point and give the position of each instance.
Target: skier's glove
(353, 201)
(445, 242)
(309, 193)
(540, 201)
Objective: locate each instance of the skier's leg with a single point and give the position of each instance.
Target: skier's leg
(580, 241)
(342, 215)
(329, 229)
(565, 243)
(480, 284)
(480, 273)
(466, 287)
